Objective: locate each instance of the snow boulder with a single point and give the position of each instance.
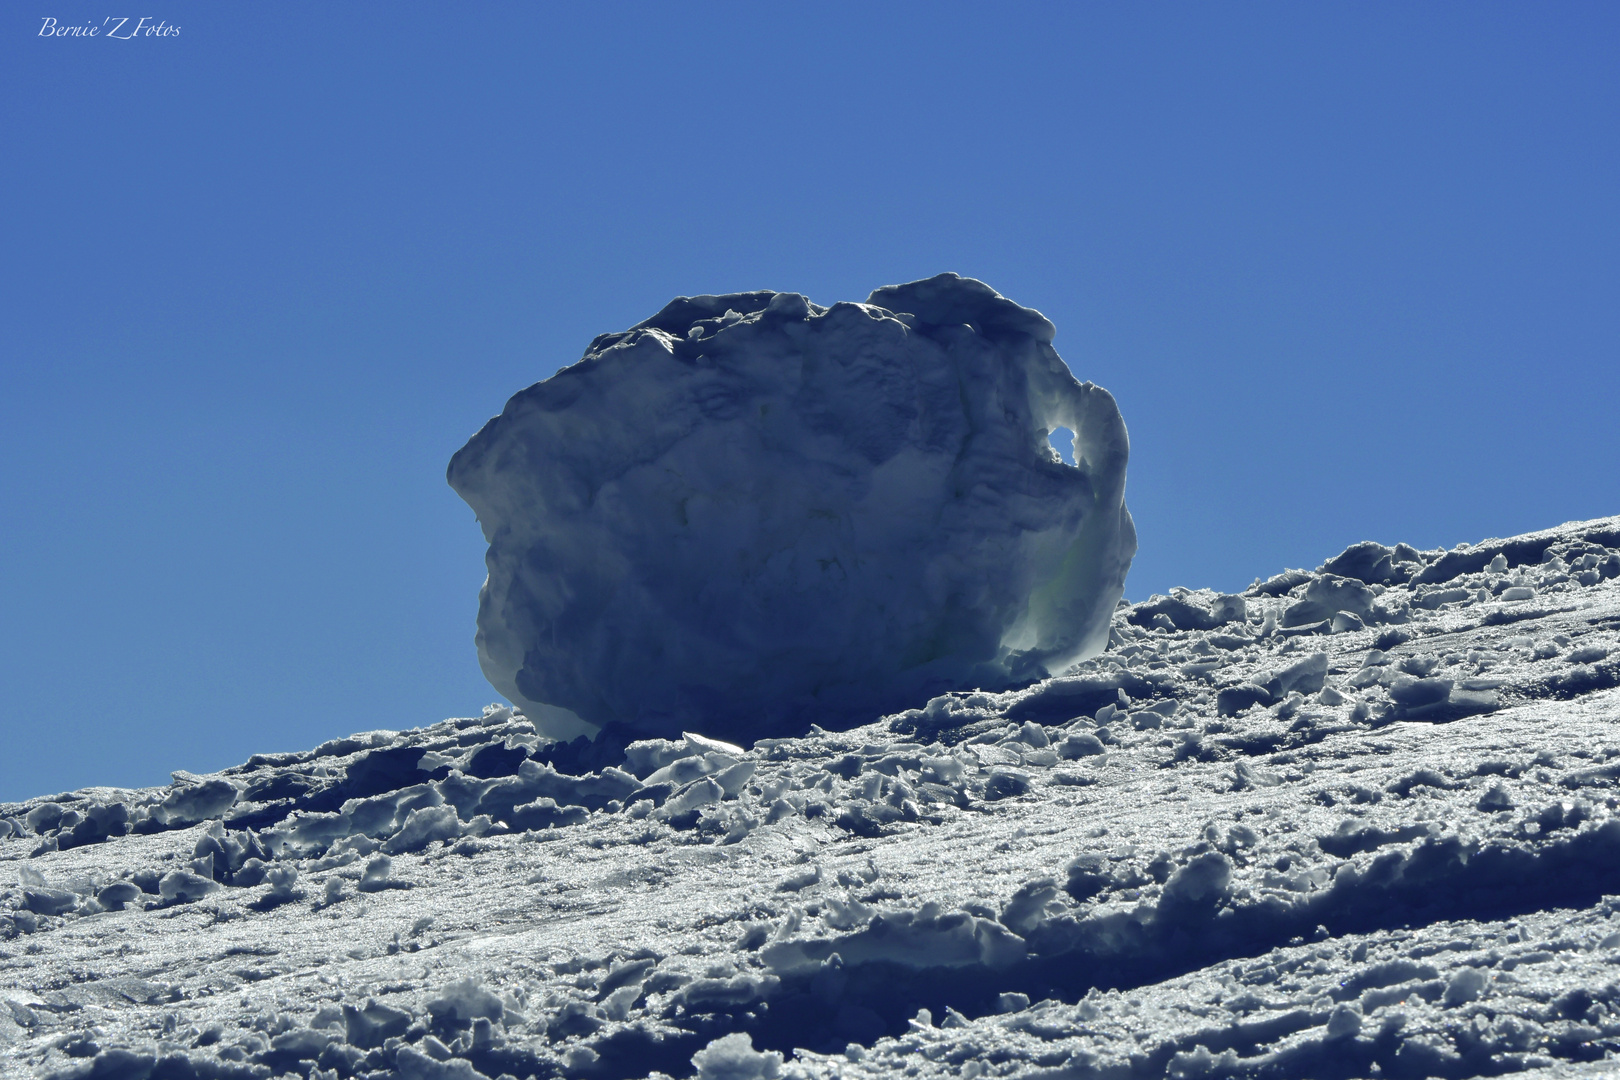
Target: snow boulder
(750, 513)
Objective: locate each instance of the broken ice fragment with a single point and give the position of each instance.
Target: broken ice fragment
(1078, 745)
(44, 817)
(113, 897)
(1305, 676)
(1465, 986)
(198, 802)
(463, 1002)
(282, 879)
(733, 1057)
(369, 1027)
(1235, 699)
(1325, 597)
(1203, 882)
(1367, 562)
(1345, 622)
(1414, 693)
(1006, 782)
(375, 877)
(697, 794)
(422, 828)
(50, 901)
(1344, 1021)
(183, 887)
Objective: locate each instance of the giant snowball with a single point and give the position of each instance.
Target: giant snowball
(750, 513)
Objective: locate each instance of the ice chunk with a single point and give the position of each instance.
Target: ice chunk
(198, 802)
(300, 1043)
(733, 1057)
(1235, 699)
(383, 814)
(463, 1002)
(1345, 1021)
(50, 901)
(1414, 693)
(99, 823)
(648, 756)
(1078, 745)
(1465, 986)
(370, 1026)
(1176, 613)
(282, 880)
(698, 794)
(375, 877)
(1306, 676)
(113, 897)
(1440, 597)
(1027, 907)
(422, 828)
(1367, 562)
(1006, 782)
(1345, 622)
(1325, 597)
(1202, 882)
(182, 886)
(44, 817)
(28, 877)
(745, 523)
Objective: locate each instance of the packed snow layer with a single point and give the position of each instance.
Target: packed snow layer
(751, 513)
(1238, 843)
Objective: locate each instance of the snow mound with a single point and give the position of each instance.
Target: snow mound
(751, 513)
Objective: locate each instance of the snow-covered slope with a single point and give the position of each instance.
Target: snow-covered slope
(1354, 822)
(750, 512)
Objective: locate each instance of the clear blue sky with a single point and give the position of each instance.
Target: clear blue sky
(1350, 269)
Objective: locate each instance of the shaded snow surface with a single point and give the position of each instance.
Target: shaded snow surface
(750, 513)
(1237, 844)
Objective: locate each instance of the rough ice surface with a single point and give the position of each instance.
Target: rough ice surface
(750, 513)
(1235, 848)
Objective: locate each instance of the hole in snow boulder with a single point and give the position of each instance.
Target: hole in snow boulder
(1062, 440)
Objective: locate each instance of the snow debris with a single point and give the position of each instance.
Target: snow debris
(182, 886)
(463, 1002)
(750, 513)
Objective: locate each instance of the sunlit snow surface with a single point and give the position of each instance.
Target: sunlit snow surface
(750, 513)
(1238, 843)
